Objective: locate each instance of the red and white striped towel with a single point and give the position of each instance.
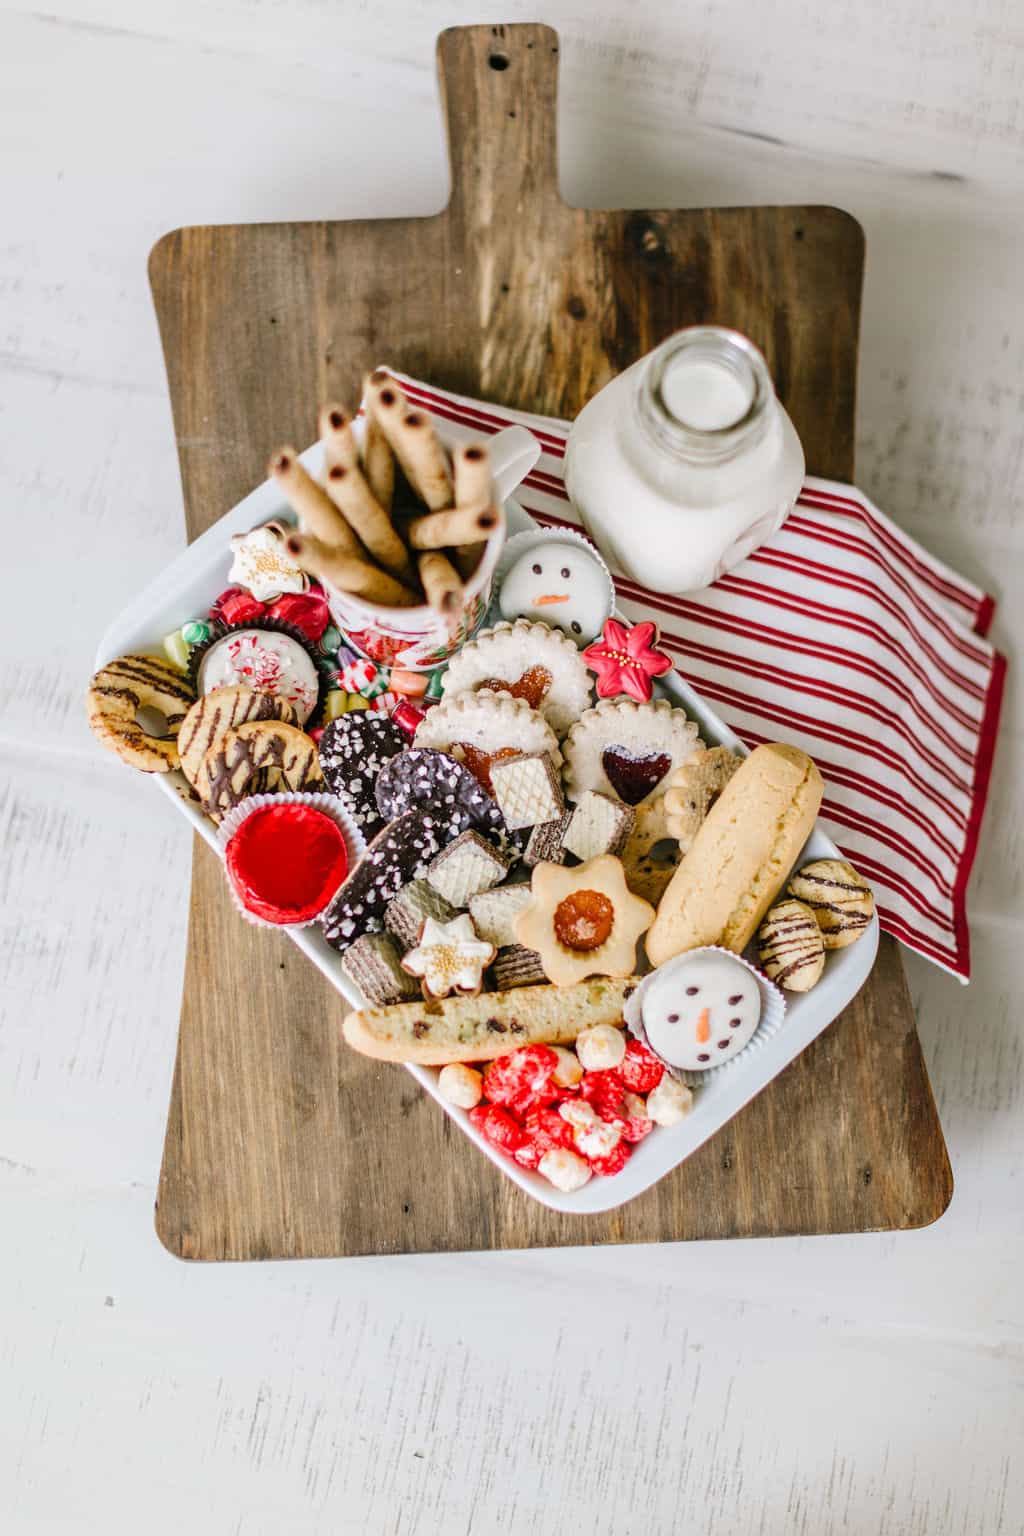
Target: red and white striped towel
(844, 636)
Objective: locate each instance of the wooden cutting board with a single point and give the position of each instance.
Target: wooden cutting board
(281, 1143)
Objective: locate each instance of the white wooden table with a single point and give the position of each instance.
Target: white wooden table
(829, 1385)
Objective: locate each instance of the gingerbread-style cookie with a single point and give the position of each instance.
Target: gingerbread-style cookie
(123, 688)
(397, 855)
(842, 902)
(693, 790)
(533, 662)
(259, 757)
(220, 711)
(628, 750)
(354, 750)
(583, 921)
(479, 728)
(434, 781)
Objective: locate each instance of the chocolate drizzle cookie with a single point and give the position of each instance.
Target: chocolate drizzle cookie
(260, 757)
(790, 949)
(218, 712)
(841, 901)
(397, 855)
(354, 749)
(123, 688)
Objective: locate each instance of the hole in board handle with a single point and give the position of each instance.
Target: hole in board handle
(499, 60)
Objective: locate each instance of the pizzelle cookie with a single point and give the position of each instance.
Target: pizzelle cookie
(116, 694)
(531, 661)
(790, 949)
(840, 899)
(693, 790)
(219, 711)
(261, 756)
(480, 728)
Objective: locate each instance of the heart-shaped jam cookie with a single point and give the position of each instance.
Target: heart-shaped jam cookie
(633, 775)
(532, 686)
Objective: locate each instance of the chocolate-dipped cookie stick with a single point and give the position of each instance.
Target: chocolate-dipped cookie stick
(441, 581)
(337, 437)
(378, 459)
(316, 513)
(412, 436)
(349, 573)
(443, 530)
(352, 496)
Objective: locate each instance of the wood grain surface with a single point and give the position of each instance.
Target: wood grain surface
(280, 1143)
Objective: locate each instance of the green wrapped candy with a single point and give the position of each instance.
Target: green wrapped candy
(176, 649)
(196, 632)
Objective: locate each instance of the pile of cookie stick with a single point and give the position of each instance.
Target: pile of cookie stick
(353, 536)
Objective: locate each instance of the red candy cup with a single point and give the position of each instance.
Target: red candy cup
(286, 862)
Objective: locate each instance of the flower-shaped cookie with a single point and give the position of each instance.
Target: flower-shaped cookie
(626, 661)
(449, 957)
(583, 921)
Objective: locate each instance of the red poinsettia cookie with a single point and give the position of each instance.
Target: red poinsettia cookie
(626, 661)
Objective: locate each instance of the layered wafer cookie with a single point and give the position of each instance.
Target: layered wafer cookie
(790, 950)
(841, 901)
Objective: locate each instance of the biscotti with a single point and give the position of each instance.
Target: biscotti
(482, 1028)
(740, 856)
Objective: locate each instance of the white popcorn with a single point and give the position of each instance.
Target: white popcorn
(593, 1136)
(636, 1106)
(568, 1072)
(564, 1169)
(670, 1102)
(600, 1048)
(461, 1085)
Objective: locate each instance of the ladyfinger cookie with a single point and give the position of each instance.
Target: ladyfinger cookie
(741, 854)
(481, 1028)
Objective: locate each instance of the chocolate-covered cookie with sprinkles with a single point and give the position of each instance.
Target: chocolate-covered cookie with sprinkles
(353, 750)
(398, 854)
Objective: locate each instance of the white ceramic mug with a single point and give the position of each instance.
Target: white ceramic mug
(421, 638)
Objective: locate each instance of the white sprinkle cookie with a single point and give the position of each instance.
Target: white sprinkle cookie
(628, 750)
(478, 727)
(533, 661)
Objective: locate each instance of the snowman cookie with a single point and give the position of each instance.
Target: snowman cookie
(530, 661)
(701, 1009)
(478, 729)
(558, 578)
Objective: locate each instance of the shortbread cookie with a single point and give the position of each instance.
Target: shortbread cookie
(790, 949)
(260, 757)
(693, 790)
(374, 965)
(598, 824)
(219, 711)
(840, 899)
(528, 789)
(466, 867)
(482, 1028)
(119, 691)
(494, 912)
(480, 728)
(743, 851)
(583, 921)
(532, 662)
(354, 749)
(398, 854)
(628, 750)
(435, 782)
(415, 902)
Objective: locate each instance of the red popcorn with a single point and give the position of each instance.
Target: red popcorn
(636, 1123)
(604, 1091)
(236, 606)
(528, 1155)
(614, 1162)
(522, 1079)
(547, 1130)
(305, 611)
(498, 1128)
(640, 1070)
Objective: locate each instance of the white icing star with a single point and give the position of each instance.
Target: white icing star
(449, 957)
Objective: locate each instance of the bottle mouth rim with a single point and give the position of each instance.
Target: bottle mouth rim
(727, 348)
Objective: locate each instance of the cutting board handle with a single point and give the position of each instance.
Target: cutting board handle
(499, 95)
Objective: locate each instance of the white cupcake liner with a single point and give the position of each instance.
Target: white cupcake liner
(520, 543)
(355, 844)
(773, 1014)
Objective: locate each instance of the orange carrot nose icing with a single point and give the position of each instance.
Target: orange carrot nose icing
(703, 1026)
(551, 597)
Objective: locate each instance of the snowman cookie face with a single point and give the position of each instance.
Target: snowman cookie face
(561, 583)
(700, 1010)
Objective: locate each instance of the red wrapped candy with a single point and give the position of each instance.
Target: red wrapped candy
(304, 611)
(236, 606)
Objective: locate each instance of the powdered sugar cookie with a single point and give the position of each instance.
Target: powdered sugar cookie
(628, 750)
(532, 662)
(480, 728)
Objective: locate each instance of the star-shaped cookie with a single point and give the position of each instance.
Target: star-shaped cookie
(449, 957)
(626, 661)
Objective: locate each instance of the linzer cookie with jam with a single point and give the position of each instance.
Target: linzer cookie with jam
(481, 728)
(533, 662)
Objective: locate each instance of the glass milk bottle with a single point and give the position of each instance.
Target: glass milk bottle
(685, 463)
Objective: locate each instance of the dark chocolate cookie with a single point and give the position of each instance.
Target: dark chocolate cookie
(436, 782)
(353, 750)
(398, 854)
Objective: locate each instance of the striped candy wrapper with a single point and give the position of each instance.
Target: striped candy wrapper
(845, 637)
